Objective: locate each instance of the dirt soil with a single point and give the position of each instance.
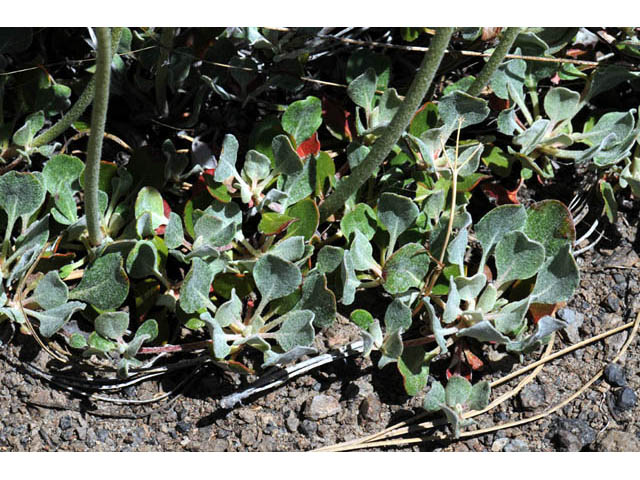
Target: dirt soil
(352, 398)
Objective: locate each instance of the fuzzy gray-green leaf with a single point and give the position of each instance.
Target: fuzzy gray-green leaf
(286, 159)
(329, 258)
(511, 317)
(396, 213)
(302, 118)
(174, 234)
(112, 325)
(517, 257)
(194, 293)
(104, 284)
(435, 398)
(275, 277)
(296, 330)
(227, 162)
(317, 298)
(498, 222)
(561, 103)
(457, 391)
(362, 89)
(557, 279)
(51, 292)
(397, 316)
(406, 268)
(53, 319)
(459, 105)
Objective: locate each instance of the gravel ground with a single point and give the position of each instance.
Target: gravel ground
(349, 399)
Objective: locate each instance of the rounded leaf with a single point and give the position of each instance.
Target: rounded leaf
(275, 277)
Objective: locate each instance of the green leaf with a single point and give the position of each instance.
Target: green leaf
(507, 121)
(414, 370)
(25, 134)
(561, 103)
(397, 317)
(510, 319)
(291, 249)
(112, 325)
(517, 257)
(275, 277)
(100, 343)
(509, 78)
(483, 331)
(405, 269)
(325, 173)
(174, 235)
(459, 105)
(498, 222)
(194, 293)
(349, 279)
(286, 159)
(296, 330)
(308, 217)
(256, 166)
(329, 258)
(361, 318)
(53, 319)
(317, 298)
(51, 292)
(392, 347)
(362, 253)
(457, 391)
(388, 105)
(149, 330)
(273, 223)
(227, 162)
(480, 393)
(362, 89)
(550, 223)
(150, 200)
(218, 224)
(397, 213)
(142, 260)
(302, 118)
(359, 219)
(557, 279)
(608, 77)
(104, 284)
(435, 398)
(469, 159)
(230, 311)
(20, 194)
(77, 340)
(60, 172)
(470, 287)
(533, 136)
(220, 347)
(610, 204)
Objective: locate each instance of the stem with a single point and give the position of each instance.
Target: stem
(166, 44)
(506, 41)
(81, 104)
(392, 133)
(98, 120)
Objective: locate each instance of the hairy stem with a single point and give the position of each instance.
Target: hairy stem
(506, 41)
(81, 104)
(392, 133)
(166, 44)
(98, 121)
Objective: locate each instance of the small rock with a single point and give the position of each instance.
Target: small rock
(223, 433)
(614, 375)
(292, 422)
(626, 399)
(370, 408)
(612, 303)
(65, 422)
(532, 396)
(248, 437)
(183, 427)
(575, 321)
(572, 435)
(309, 428)
(516, 445)
(616, 441)
(102, 435)
(247, 415)
(322, 406)
(499, 444)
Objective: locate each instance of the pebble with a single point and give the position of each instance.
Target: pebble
(532, 396)
(614, 375)
(309, 428)
(370, 408)
(612, 303)
(617, 441)
(499, 444)
(65, 422)
(248, 436)
(626, 399)
(247, 415)
(292, 422)
(575, 321)
(102, 435)
(322, 406)
(572, 435)
(183, 427)
(516, 445)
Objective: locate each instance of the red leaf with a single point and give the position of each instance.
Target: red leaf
(336, 117)
(167, 211)
(310, 146)
(500, 195)
(539, 310)
(201, 183)
(497, 104)
(472, 360)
